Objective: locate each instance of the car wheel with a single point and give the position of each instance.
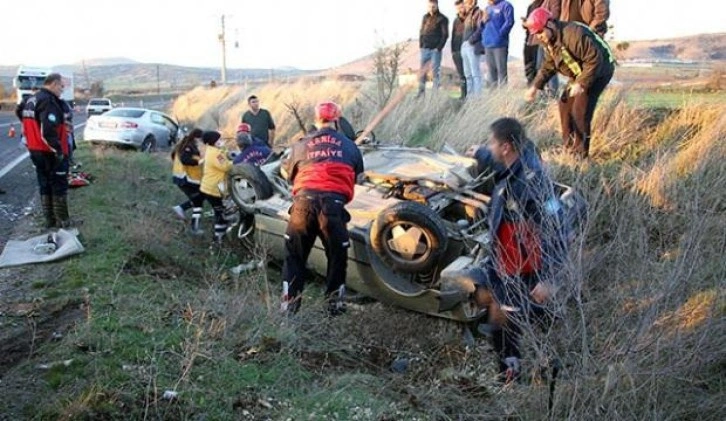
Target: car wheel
(148, 145)
(409, 237)
(247, 184)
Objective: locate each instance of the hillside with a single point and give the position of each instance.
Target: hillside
(704, 47)
(701, 48)
(125, 75)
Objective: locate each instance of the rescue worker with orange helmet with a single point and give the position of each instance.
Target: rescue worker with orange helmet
(322, 167)
(577, 52)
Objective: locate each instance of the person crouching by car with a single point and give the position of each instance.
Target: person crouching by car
(250, 152)
(322, 168)
(528, 241)
(187, 175)
(214, 176)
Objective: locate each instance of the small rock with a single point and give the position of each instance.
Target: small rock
(399, 365)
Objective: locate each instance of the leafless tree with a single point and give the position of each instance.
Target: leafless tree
(386, 65)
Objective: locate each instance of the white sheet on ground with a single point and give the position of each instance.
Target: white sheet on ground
(34, 250)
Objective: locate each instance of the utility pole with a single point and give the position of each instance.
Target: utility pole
(85, 74)
(223, 41)
(158, 86)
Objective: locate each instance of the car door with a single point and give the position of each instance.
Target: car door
(159, 128)
(173, 129)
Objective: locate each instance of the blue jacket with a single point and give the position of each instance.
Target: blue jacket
(498, 25)
(526, 220)
(255, 154)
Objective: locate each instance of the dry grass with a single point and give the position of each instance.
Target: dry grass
(642, 311)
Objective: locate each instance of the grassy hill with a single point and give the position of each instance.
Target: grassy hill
(143, 312)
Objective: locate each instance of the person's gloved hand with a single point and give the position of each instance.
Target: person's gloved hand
(59, 158)
(576, 89)
(530, 94)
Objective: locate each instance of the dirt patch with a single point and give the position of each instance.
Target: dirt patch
(35, 324)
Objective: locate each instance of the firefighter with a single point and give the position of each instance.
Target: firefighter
(528, 241)
(45, 129)
(322, 168)
(249, 151)
(577, 52)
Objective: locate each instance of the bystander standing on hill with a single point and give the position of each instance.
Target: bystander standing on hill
(577, 52)
(498, 23)
(470, 48)
(593, 13)
(263, 126)
(432, 38)
(457, 37)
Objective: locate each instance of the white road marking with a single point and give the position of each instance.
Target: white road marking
(25, 154)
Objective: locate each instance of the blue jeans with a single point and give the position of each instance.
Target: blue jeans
(472, 69)
(497, 63)
(434, 56)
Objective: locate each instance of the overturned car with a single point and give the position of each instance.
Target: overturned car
(418, 218)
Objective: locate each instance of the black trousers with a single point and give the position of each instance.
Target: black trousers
(311, 217)
(456, 56)
(52, 173)
(576, 114)
(220, 224)
(530, 62)
(196, 199)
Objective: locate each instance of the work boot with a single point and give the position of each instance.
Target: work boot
(46, 202)
(196, 221)
(511, 369)
(179, 212)
(60, 211)
(336, 303)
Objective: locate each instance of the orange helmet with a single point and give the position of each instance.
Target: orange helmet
(537, 20)
(244, 128)
(327, 111)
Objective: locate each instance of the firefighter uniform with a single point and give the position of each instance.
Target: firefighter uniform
(323, 167)
(45, 130)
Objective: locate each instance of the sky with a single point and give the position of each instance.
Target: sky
(312, 34)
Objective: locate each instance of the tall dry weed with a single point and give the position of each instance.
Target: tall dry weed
(641, 324)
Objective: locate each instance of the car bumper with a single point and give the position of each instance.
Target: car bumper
(118, 137)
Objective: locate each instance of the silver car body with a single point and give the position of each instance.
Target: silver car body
(139, 128)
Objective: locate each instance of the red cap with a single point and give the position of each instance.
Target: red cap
(244, 128)
(537, 20)
(327, 111)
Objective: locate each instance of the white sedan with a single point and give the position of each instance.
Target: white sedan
(138, 128)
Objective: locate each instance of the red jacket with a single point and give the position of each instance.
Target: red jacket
(44, 123)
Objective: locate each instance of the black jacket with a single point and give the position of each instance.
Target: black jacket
(434, 31)
(457, 34)
(588, 50)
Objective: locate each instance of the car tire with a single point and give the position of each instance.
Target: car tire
(148, 145)
(427, 240)
(247, 183)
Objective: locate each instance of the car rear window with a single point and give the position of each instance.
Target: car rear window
(120, 112)
(99, 102)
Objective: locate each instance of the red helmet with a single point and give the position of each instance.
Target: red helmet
(244, 128)
(537, 20)
(327, 111)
